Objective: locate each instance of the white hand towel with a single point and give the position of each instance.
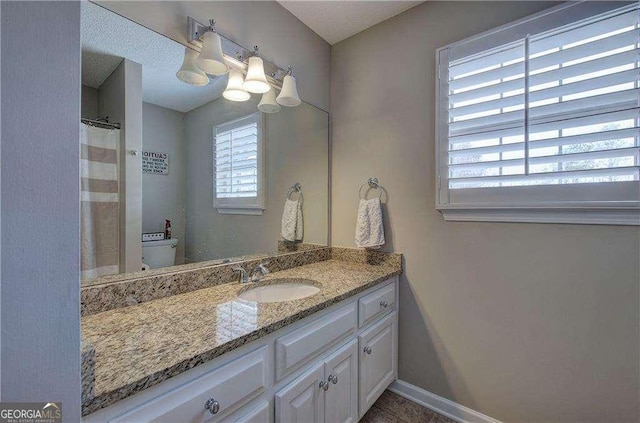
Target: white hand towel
(292, 222)
(369, 227)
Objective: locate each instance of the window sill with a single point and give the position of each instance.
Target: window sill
(581, 216)
(248, 212)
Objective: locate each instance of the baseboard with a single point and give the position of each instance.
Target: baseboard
(441, 405)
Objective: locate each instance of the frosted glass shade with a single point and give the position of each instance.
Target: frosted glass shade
(256, 81)
(211, 59)
(189, 72)
(268, 103)
(289, 95)
(235, 91)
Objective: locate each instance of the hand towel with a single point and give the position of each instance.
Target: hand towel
(369, 227)
(292, 222)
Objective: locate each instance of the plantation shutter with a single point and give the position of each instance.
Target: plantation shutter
(547, 118)
(237, 163)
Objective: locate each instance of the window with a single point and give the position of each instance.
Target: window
(539, 120)
(237, 157)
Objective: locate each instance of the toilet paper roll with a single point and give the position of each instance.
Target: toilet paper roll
(145, 266)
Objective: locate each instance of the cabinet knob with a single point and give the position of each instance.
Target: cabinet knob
(324, 385)
(367, 350)
(212, 405)
(384, 304)
(333, 379)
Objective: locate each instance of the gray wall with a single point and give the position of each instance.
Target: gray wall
(163, 196)
(89, 102)
(522, 322)
(120, 98)
(40, 207)
(282, 38)
(296, 151)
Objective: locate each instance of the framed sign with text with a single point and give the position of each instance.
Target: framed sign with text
(154, 162)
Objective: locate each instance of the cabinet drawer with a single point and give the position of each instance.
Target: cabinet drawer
(231, 385)
(376, 304)
(301, 345)
(378, 348)
(260, 414)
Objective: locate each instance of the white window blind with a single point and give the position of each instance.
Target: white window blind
(548, 120)
(238, 164)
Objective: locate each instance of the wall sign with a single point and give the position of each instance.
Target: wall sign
(156, 163)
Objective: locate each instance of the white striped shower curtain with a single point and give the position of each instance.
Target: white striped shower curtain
(99, 206)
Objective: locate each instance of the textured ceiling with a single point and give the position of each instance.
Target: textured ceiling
(107, 38)
(337, 20)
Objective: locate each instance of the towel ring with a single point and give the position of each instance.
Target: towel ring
(373, 184)
(295, 188)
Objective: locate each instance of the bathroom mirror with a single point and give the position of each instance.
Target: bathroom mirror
(183, 159)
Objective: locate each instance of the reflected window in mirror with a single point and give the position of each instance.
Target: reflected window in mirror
(238, 178)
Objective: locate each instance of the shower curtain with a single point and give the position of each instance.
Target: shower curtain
(99, 206)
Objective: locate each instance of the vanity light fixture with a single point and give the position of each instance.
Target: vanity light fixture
(235, 90)
(289, 94)
(256, 80)
(189, 72)
(211, 59)
(268, 103)
(220, 55)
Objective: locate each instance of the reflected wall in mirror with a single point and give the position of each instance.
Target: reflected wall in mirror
(217, 171)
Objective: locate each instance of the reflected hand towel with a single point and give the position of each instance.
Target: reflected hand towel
(292, 222)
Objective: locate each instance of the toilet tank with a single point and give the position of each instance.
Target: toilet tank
(158, 254)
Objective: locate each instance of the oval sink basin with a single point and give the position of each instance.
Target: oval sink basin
(277, 290)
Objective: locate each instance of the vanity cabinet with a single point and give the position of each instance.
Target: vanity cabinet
(223, 390)
(378, 360)
(341, 374)
(329, 367)
(303, 399)
(327, 393)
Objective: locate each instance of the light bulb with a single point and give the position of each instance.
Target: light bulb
(235, 91)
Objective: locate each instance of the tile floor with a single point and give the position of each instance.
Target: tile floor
(392, 408)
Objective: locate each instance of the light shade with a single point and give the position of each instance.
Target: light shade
(235, 91)
(289, 95)
(211, 59)
(189, 72)
(256, 81)
(268, 103)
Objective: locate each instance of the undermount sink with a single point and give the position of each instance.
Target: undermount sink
(278, 290)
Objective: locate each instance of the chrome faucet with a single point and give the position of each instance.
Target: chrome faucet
(259, 272)
(244, 277)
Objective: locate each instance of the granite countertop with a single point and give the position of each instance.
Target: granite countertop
(141, 345)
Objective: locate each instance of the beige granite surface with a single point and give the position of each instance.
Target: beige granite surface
(141, 345)
(366, 255)
(141, 287)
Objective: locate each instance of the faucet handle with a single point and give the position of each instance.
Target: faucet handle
(243, 273)
(263, 267)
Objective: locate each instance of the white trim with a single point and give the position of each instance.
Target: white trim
(584, 216)
(247, 211)
(441, 405)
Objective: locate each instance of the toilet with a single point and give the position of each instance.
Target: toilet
(156, 254)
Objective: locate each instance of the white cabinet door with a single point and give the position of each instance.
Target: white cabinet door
(341, 373)
(302, 401)
(378, 361)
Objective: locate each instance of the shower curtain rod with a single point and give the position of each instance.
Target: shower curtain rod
(100, 123)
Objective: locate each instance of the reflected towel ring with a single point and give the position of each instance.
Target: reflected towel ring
(373, 184)
(296, 188)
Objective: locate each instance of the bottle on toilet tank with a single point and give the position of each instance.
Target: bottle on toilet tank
(167, 229)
